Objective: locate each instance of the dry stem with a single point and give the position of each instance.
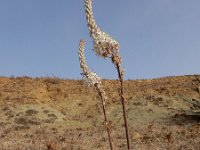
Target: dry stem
(120, 75)
(117, 60)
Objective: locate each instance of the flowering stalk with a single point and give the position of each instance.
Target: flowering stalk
(106, 46)
(94, 80)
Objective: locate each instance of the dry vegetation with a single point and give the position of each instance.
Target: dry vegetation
(52, 113)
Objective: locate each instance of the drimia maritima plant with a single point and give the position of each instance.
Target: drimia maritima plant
(107, 47)
(92, 79)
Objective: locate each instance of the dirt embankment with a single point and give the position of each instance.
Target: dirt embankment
(52, 113)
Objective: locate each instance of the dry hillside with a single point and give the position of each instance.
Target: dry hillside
(52, 113)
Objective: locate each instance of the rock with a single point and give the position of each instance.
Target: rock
(198, 89)
(136, 136)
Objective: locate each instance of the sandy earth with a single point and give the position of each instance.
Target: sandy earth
(52, 113)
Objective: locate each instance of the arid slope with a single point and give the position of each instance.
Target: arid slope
(52, 113)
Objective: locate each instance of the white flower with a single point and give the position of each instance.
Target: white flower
(92, 79)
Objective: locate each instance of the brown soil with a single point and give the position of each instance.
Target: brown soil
(52, 113)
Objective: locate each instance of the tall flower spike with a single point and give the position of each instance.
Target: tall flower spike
(95, 81)
(91, 77)
(104, 45)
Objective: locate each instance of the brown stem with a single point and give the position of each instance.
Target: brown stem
(102, 95)
(123, 103)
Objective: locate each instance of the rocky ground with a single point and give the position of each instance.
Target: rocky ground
(57, 114)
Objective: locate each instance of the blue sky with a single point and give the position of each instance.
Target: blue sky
(157, 37)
